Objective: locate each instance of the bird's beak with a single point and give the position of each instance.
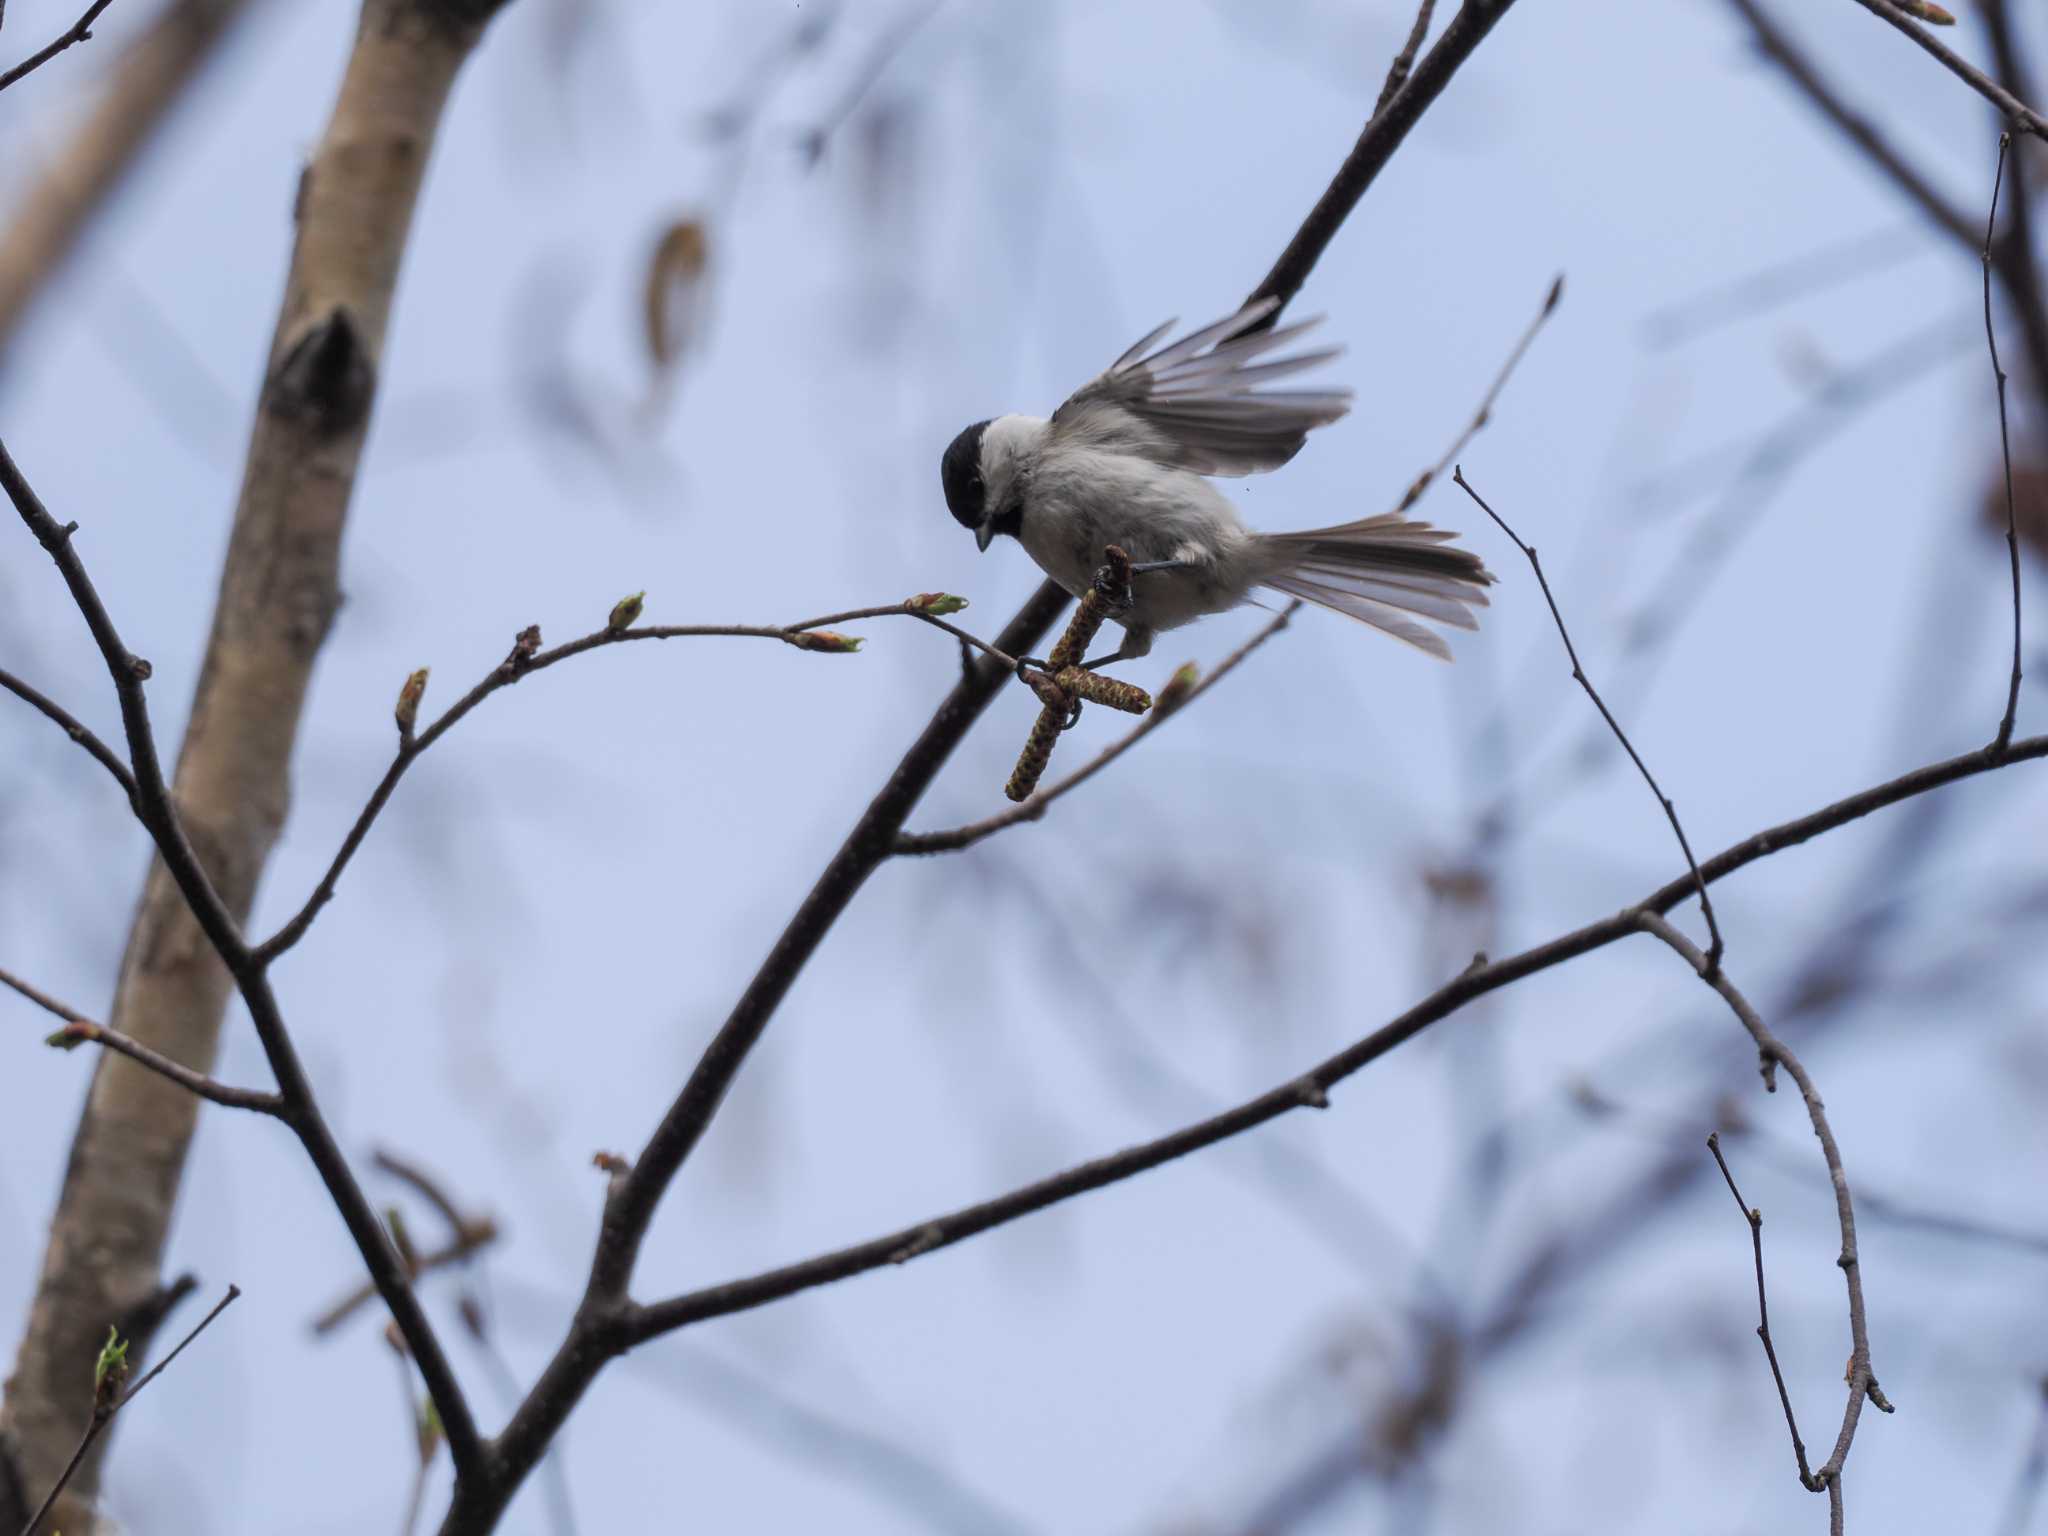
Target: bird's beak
(984, 535)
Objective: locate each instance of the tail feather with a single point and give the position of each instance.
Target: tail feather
(1380, 571)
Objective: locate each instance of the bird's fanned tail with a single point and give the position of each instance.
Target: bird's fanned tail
(1386, 571)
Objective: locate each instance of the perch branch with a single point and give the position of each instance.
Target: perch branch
(1579, 676)
(1031, 809)
(1310, 1089)
(1755, 1218)
(526, 658)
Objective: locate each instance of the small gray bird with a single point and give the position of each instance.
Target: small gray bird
(1123, 461)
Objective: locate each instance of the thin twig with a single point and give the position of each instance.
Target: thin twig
(70, 726)
(423, 1183)
(78, 1030)
(1310, 1089)
(2013, 258)
(2022, 114)
(1858, 129)
(1484, 414)
(1774, 1053)
(154, 807)
(471, 1235)
(103, 1413)
(1382, 135)
(1755, 1218)
(1404, 61)
(523, 662)
(2012, 531)
(78, 32)
(1035, 806)
(1716, 945)
(299, 1108)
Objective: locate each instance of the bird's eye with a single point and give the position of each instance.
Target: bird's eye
(960, 473)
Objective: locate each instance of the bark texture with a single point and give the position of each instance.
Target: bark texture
(278, 594)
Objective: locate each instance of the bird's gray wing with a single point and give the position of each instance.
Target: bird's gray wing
(1198, 404)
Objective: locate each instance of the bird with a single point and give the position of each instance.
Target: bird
(1126, 460)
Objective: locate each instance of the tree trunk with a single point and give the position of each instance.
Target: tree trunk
(277, 596)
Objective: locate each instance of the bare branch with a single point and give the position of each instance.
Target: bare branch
(1484, 414)
(55, 712)
(1036, 805)
(422, 1183)
(2012, 531)
(1579, 675)
(1382, 135)
(298, 1106)
(2023, 116)
(1755, 1218)
(1774, 1053)
(79, 31)
(599, 1331)
(524, 659)
(1311, 1089)
(1858, 129)
(108, 1402)
(1404, 61)
(472, 1234)
(78, 1030)
(154, 807)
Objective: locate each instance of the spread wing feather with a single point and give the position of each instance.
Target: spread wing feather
(1197, 404)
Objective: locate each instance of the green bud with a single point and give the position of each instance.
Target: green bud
(1178, 688)
(938, 604)
(112, 1366)
(625, 613)
(825, 640)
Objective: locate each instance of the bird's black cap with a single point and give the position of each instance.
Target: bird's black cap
(960, 472)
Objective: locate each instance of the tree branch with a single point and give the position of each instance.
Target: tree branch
(109, 1401)
(80, 30)
(101, 753)
(1755, 1218)
(1858, 129)
(78, 1030)
(1484, 413)
(526, 658)
(279, 587)
(1382, 135)
(1310, 1089)
(1579, 676)
(599, 1330)
(1773, 1053)
(2012, 531)
(1404, 61)
(1036, 805)
(296, 1103)
(2022, 115)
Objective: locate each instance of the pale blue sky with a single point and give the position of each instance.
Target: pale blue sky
(569, 892)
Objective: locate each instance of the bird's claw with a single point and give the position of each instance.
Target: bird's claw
(1114, 587)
